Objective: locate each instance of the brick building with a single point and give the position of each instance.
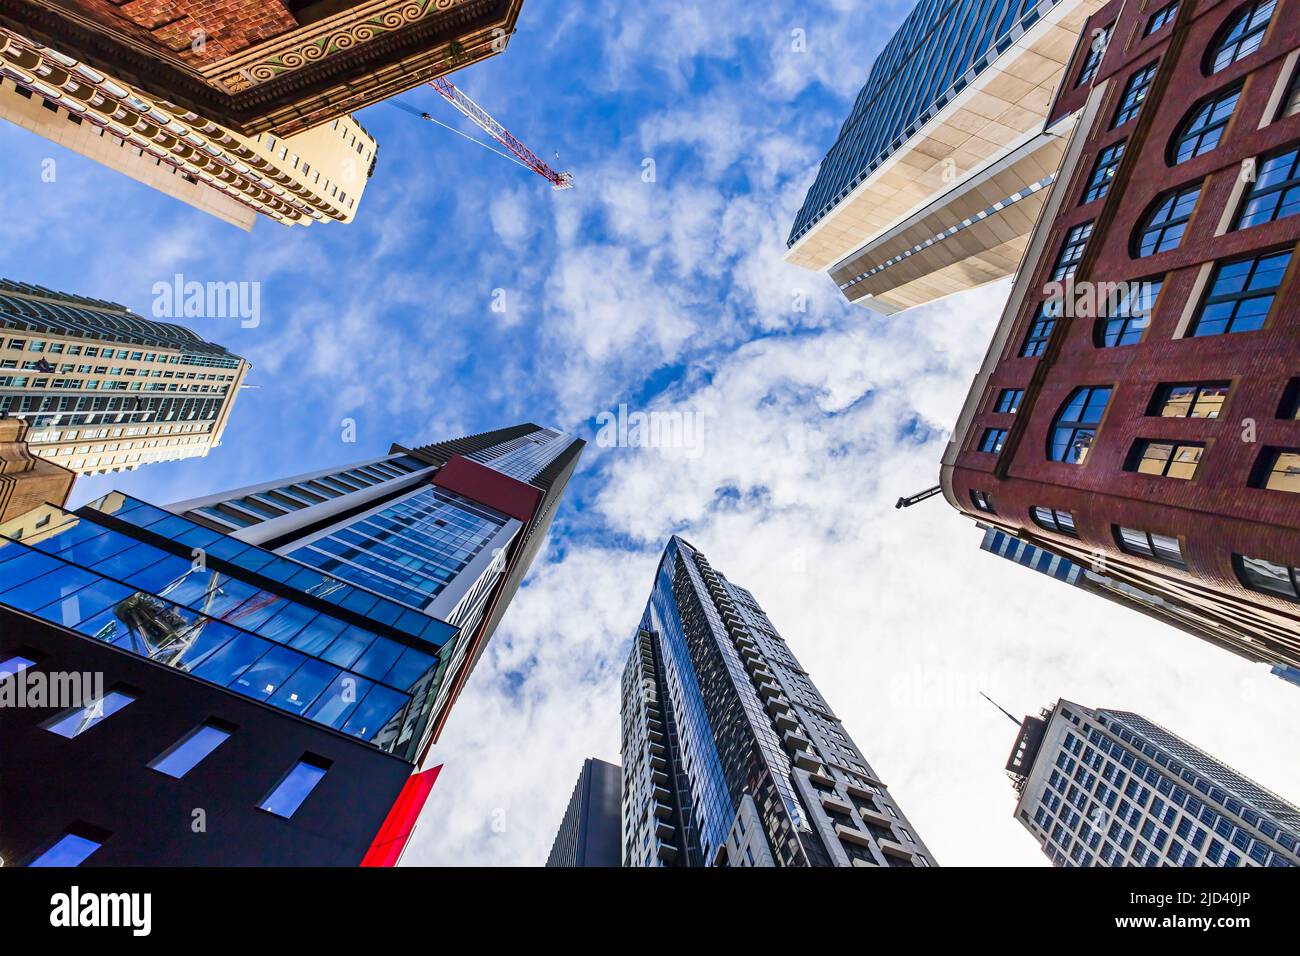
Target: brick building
(1138, 410)
(280, 66)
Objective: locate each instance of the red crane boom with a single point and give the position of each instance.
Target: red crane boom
(484, 121)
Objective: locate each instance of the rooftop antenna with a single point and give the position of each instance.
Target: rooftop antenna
(1000, 707)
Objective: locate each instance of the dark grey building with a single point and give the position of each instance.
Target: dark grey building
(730, 755)
(590, 833)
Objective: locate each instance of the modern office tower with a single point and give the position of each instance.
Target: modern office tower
(27, 481)
(280, 66)
(102, 389)
(1138, 410)
(591, 831)
(730, 755)
(267, 670)
(306, 176)
(940, 170)
(1110, 788)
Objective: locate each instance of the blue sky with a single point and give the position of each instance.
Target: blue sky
(668, 295)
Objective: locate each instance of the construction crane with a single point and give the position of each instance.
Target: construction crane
(918, 497)
(481, 118)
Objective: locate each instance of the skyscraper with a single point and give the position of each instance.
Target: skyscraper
(591, 833)
(297, 178)
(281, 66)
(1111, 788)
(941, 168)
(1138, 410)
(102, 389)
(730, 755)
(287, 654)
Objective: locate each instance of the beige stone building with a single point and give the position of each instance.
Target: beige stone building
(941, 170)
(318, 175)
(103, 390)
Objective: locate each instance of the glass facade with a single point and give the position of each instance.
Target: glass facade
(1111, 788)
(232, 614)
(939, 49)
(412, 549)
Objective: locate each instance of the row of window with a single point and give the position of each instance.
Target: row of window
(1255, 574)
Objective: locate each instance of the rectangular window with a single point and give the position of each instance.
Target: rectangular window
(1067, 262)
(1166, 459)
(1191, 400)
(1278, 469)
(1157, 547)
(72, 848)
(1267, 577)
(14, 664)
(1275, 192)
(1241, 294)
(1135, 94)
(1096, 50)
(1289, 407)
(77, 721)
(1161, 17)
(1054, 520)
(190, 750)
(1009, 400)
(1040, 332)
(296, 786)
(993, 440)
(1103, 172)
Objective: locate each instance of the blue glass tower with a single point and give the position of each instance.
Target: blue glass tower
(940, 48)
(730, 755)
(329, 619)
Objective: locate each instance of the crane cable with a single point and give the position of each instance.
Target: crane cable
(425, 116)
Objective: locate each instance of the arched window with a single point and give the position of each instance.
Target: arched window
(1241, 35)
(1163, 226)
(1075, 425)
(1201, 131)
(1053, 519)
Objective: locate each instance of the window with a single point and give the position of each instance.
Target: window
(1290, 404)
(186, 754)
(1157, 547)
(1127, 321)
(1241, 294)
(1135, 93)
(1075, 426)
(1204, 127)
(1071, 251)
(1278, 469)
(72, 848)
(1241, 35)
(1275, 193)
(1164, 225)
(1193, 400)
(297, 784)
(993, 440)
(1009, 401)
(1040, 333)
(1103, 172)
(1161, 17)
(1096, 50)
(14, 664)
(1267, 577)
(1165, 458)
(983, 501)
(75, 722)
(1061, 522)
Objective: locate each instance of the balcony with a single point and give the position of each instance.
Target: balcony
(873, 817)
(778, 705)
(807, 760)
(794, 740)
(661, 810)
(661, 795)
(785, 721)
(768, 689)
(896, 849)
(835, 805)
(852, 835)
(664, 830)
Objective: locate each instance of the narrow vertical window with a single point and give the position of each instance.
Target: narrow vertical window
(296, 786)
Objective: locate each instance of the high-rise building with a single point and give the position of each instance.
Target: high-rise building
(103, 389)
(27, 481)
(308, 175)
(1111, 788)
(1138, 410)
(591, 832)
(941, 168)
(281, 66)
(730, 755)
(286, 654)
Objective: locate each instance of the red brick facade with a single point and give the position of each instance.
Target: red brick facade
(227, 26)
(1217, 514)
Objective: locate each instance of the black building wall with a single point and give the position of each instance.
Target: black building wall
(591, 833)
(101, 778)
